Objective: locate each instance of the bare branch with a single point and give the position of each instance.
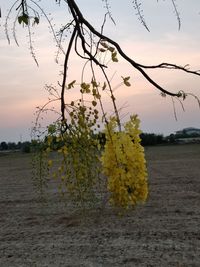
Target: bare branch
(7, 18)
(171, 66)
(137, 7)
(65, 76)
(107, 6)
(50, 25)
(77, 15)
(177, 14)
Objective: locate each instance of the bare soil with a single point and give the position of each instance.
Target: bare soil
(163, 232)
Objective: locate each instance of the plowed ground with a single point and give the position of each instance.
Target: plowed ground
(163, 232)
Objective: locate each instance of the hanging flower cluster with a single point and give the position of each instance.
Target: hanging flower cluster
(79, 167)
(82, 158)
(124, 164)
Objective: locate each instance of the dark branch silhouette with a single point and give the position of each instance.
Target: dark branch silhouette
(82, 29)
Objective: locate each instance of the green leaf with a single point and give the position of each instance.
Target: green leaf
(98, 96)
(104, 45)
(20, 19)
(102, 50)
(94, 83)
(85, 87)
(126, 81)
(24, 18)
(104, 86)
(71, 85)
(114, 57)
(94, 103)
(111, 49)
(87, 90)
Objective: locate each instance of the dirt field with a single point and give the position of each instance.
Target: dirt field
(164, 232)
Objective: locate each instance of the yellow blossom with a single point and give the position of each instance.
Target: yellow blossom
(50, 163)
(124, 164)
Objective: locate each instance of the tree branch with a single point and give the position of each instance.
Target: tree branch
(65, 75)
(80, 20)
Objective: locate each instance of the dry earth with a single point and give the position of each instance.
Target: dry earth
(164, 232)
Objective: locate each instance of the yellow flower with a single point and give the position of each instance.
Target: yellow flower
(124, 164)
(50, 163)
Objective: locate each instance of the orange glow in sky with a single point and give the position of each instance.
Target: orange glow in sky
(22, 82)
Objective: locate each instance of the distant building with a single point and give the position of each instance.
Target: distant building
(189, 131)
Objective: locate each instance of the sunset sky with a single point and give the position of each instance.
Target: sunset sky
(22, 82)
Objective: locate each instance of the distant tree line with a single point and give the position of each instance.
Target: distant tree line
(151, 139)
(147, 139)
(154, 139)
(184, 134)
(12, 146)
(174, 138)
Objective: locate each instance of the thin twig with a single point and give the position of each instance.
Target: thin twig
(76, 13)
